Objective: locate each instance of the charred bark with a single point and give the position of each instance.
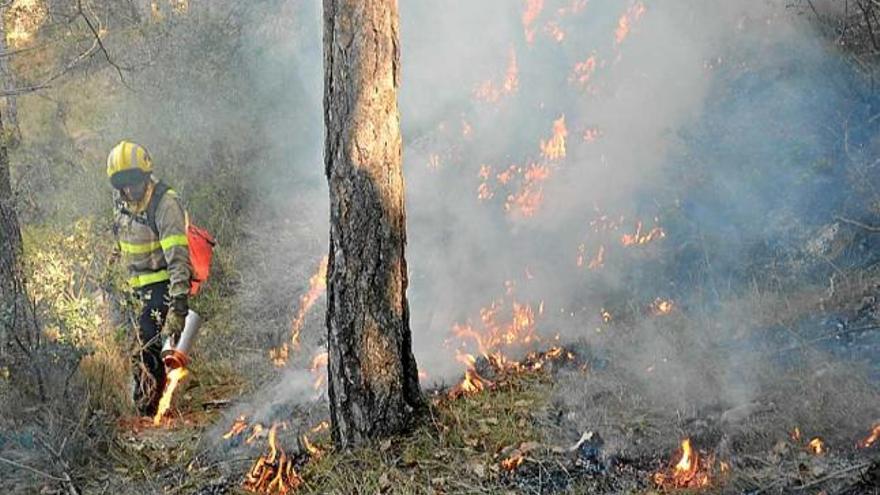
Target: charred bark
(373, 378)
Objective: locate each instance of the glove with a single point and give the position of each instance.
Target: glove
(176, 318)
(173, 326)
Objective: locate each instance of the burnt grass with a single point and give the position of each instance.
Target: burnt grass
(582, 422)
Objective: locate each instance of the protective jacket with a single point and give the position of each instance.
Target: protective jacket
(155, 249)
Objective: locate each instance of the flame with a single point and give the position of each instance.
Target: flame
(687, 471)
(466, 129)
(531, 13)
(319, 363)
(555, 31)
(872, 438)
(174, 377)
(583, 72)
(528, 199)
(662, 306)
(817, 445)
(256, 432)
(511, 463)
(592, 134)
(310, 448)
(599, 260)
(796, 434)
(272, 473)
(606, 316)
(238, 427)
(323, 425)
(490, 92)
(473, 383)
(639, 239)
(317, 285)
(624, 24)
(554, 148)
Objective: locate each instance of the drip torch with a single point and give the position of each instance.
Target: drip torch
(175, 354)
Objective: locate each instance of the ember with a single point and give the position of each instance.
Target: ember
(273, 473)
(661, 307)
(817, 445)
(875, 435)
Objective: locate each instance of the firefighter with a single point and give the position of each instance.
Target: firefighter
(150, 228)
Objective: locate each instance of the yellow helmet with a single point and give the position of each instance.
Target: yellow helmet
(128, 163)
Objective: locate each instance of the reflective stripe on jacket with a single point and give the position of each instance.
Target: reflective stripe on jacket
(151, 258)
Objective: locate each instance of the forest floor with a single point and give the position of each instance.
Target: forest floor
(527, 432)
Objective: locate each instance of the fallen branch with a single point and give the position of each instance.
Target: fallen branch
(28, 468)
(835, 474)
(869, 228)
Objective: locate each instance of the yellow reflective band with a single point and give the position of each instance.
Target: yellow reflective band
(132, 248)
(174, 240)
(149, 278)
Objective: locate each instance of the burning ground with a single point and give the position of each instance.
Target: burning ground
(643, 254)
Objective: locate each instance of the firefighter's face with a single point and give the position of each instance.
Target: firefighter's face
(134, 192)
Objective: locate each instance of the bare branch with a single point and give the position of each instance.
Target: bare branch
(28, 468)
(100, 42)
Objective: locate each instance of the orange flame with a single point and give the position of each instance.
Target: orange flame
(662, 306)
(317, 285)
(490, 92)
(686, 473)
(256, 432)
(639, 239)
(626, 20)
(323, 425)
(583, 72)
(272, 473)
(174, 377)
(310, 448)
(872, 438)
(817, 445)
(319, 363)
(554, 148)
(238, 427)
(599, 260)
(592, 134)
(514, 461)
(531, 13)
(555, 31)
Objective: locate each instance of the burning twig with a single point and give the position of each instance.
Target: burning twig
(272, 473)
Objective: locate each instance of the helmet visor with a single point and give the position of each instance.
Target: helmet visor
(125, 178)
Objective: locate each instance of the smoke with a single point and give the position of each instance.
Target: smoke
(710, 121)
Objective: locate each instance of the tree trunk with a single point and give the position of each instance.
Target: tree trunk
(373, 379)
(10, 252)
(9, 84)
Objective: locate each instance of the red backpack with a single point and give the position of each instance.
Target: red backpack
(201, 242)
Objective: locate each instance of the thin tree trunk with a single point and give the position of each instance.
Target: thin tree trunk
(373, 378)
(10, 252)
(8, 80)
